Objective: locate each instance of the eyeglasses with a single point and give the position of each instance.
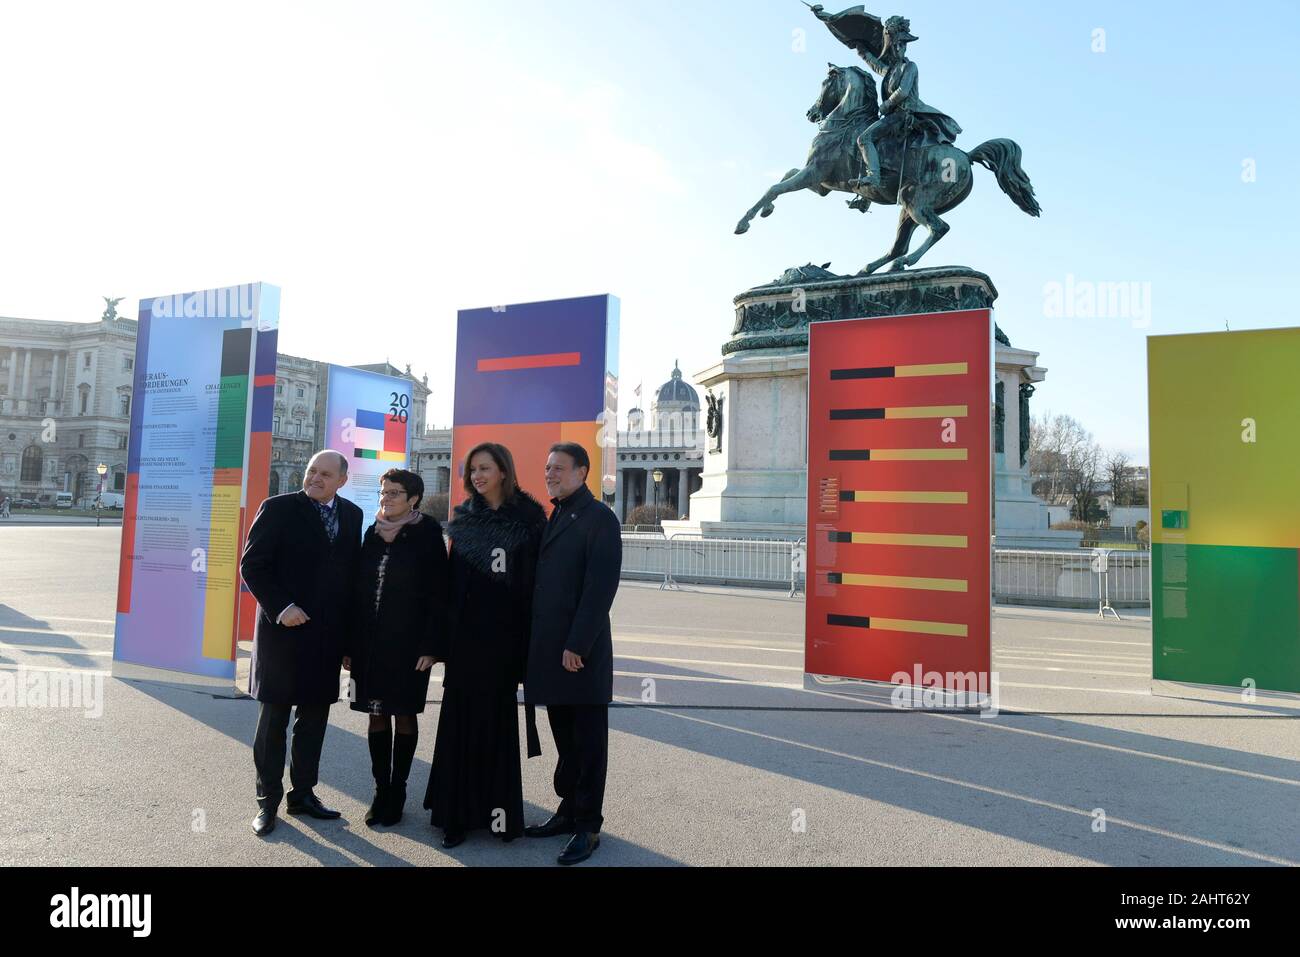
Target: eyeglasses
(393, 493)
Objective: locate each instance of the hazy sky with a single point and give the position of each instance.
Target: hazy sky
(388, 163)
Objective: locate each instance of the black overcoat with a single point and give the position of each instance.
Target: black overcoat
(412, 614)
(493, 562)
(289, 560)
(577, 577)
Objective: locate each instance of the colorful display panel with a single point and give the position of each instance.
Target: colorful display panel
(199, 451)
(367, 418)
(899, 498)
(531, 375)
(1225, 516)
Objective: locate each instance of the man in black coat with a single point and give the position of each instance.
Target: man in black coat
(570, 651)
(300, 563)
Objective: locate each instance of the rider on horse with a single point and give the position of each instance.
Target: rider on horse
(901, 104)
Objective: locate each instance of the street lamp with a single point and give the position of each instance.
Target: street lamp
(102, 469)
(658, 476)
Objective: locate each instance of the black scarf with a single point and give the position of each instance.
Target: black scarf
(476, 529)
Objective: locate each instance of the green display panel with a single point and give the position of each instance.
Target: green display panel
(1225, 504)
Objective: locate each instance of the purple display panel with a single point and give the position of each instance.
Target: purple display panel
(536, 361)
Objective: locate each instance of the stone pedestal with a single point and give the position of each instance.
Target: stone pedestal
(758, 473)
(1020, 518)
(755, 481)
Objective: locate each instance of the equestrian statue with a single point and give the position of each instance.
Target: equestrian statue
(895, 150)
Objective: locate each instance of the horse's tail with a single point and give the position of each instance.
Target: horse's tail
(1002, 157)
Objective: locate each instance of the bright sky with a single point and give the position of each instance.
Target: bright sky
(387, 163)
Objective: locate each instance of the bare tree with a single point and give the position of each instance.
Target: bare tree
(1117, 469)
(1056, 443)
(1082, 474)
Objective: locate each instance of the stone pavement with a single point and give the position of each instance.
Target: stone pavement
(733, 763)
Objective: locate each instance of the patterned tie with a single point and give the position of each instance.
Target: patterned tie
(330, 517)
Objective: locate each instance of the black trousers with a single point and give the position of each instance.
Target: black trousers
(581, 733)
(269, 746)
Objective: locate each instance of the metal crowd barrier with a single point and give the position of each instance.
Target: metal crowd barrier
(1076, 578)
(1079, 578)
(692, 558)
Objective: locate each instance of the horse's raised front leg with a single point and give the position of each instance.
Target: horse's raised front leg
(797, 180)
(769, 209)
(906, 225)
(938, 228)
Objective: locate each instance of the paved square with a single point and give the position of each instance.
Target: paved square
(732, 763)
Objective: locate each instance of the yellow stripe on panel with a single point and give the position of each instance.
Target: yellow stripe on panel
(935, 368)
(918, 455)
(900, 581)
(222, 592)
(926, 412)
(888, 538)
(912, 497)
(920, 627)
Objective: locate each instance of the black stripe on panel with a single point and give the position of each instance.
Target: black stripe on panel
(835, 578)
(839, 414)
(846, 537)
(878, 372)
(235, 345)
(850, 455)
(850, 621)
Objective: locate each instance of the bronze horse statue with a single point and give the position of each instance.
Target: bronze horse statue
(924, 178)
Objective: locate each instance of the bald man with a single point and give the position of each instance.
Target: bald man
(300, 563)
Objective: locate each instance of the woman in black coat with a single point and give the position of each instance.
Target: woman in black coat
(495, 536)
(400, 613)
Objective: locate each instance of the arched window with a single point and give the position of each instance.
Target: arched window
(274, 487)
(32, 461)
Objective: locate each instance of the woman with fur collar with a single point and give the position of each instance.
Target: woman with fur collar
(495, 534)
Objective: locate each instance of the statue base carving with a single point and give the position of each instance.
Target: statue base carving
(755, 474)
(776, 315)
(756, 479)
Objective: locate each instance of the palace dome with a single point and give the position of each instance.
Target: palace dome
(677, 393)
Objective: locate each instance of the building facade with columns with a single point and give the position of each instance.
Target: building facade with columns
(669, 441)
(298, 423)
(65, 408)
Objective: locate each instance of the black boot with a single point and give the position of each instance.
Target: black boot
(381, 760)
(403, 754)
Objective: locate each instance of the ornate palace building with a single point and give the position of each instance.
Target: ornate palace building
(670, 441)
(65, 408)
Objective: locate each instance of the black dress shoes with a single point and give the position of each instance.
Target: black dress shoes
(553, 826)
(311, 805)
(451, 838)
(264, 823)
(579, 848)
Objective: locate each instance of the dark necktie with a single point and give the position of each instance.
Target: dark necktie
(330, 517)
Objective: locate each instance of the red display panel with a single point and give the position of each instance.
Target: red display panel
(899, 497)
